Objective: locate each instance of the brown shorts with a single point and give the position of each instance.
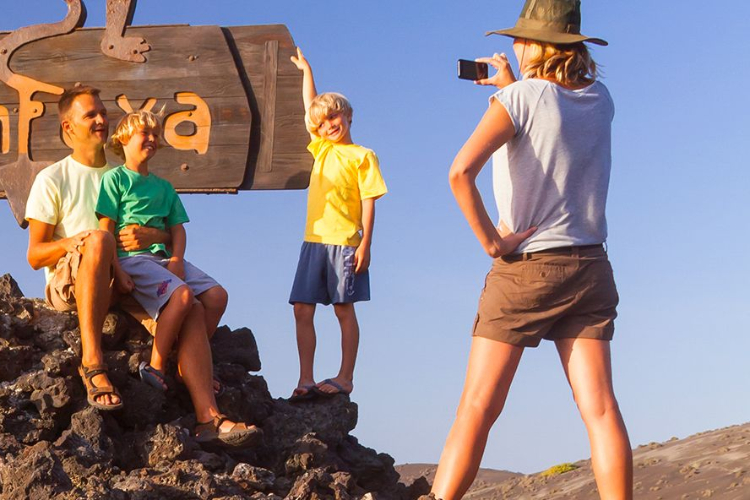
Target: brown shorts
(60, 291)
(553, 294)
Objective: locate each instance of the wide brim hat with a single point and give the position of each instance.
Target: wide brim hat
(551, 21)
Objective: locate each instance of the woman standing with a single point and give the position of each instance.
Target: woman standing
(550, 136)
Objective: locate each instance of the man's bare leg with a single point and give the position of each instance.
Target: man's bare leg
(93, 292)
(196, 366)
(214, 302)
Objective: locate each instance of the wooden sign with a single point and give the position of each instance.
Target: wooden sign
(233, 111)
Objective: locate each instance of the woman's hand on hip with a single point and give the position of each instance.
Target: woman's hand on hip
(507, 241)
(504, 75)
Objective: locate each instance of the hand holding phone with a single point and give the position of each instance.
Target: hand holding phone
(472, 70)
(504, 75)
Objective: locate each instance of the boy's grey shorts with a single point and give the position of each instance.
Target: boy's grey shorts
(325, 275)
(154, 284)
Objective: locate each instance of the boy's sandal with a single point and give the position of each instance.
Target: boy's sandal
(93, 391)
(151, 376)
(239, 435)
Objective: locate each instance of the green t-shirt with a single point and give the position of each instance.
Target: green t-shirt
(128, 197)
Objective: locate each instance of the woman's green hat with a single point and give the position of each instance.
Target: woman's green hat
(552, 21)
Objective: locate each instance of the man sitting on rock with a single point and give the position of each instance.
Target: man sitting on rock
(79, 261)
(63, 237)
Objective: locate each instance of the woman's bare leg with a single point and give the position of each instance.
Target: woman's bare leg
(492, 365)
(588, 368)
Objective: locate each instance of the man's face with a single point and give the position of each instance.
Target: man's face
(87, 123)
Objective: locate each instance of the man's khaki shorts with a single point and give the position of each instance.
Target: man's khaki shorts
(60, 291)
(553, 294)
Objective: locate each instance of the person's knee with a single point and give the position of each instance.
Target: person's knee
(598, 409)
(304, 312)
(215, 299)
(344, 312)
(182, 298)
(197, 311)
(99, 246)
(479, 412)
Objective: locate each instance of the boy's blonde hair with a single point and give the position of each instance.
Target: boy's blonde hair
(129, 125)
(570, 65)
(323, 106)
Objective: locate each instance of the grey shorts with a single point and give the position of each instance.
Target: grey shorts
(325, 275)
(154, 284)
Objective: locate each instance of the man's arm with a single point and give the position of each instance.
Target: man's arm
(43, 251)
(362, 255)
(134, 237)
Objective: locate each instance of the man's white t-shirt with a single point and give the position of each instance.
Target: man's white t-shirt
(64, 195)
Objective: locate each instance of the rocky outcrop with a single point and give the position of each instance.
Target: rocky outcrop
(54, 446)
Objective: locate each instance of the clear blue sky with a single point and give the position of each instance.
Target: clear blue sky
(678, 237)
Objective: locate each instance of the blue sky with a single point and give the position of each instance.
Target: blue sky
(676, 215)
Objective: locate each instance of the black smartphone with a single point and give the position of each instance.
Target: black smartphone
(471, 70)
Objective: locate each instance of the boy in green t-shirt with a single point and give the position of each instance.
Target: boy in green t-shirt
(160, 279)
(344, 183)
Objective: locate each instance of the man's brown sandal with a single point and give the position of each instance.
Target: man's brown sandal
(92, 391)
(238, 436)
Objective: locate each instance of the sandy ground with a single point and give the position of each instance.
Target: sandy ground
(713, 464)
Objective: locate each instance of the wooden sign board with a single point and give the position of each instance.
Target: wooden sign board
(233, 111)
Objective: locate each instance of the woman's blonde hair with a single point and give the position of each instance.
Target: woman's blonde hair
(323, 106)
(129, 125)
(571, 65)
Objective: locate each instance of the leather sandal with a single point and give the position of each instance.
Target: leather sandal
(93, 391)
(238, 436)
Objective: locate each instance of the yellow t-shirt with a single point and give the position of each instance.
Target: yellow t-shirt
(342, 176)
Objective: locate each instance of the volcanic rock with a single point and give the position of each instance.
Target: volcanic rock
(53, 445)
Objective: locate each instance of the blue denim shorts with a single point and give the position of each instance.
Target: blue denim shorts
(325, 275)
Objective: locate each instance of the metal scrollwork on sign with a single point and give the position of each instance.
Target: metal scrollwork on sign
(18, 176)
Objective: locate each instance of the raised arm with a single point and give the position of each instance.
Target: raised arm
(494, 130)
(308, 82)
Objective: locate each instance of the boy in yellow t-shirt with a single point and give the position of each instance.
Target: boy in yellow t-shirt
(344, 184)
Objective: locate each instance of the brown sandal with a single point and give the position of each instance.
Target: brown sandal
(238, 436)
(93, 391)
